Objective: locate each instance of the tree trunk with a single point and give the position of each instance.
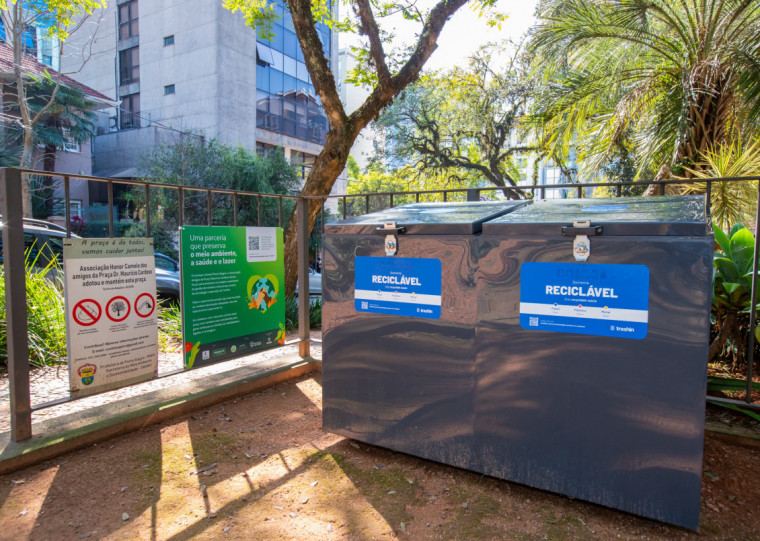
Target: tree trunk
(26, 163)
(324, 173)
(727, 327)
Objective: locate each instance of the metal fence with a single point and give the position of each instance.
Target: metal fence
(14, 263)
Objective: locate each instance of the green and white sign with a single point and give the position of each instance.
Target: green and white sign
(111, 316)
(233, 301)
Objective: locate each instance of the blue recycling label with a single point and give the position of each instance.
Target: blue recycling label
(401, 286)
(605, 208)
(585, 298)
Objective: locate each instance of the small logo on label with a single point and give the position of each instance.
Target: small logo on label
(87, 373)
(206, 355)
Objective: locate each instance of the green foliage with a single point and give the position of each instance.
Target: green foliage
(291, 312)
(169, 327)
(731, 202)
(732, 292)
(716, 383)
(377, 180)
(681, 76)
(56, 15)
(194, 161)
(732, 283)
(45, 313)
(465, 122)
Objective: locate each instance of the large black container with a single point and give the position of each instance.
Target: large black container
(527, 374)
(599, 397)
(393, 376)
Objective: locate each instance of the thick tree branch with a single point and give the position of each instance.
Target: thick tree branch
(369, 28)
(410, 71)
(316, 63)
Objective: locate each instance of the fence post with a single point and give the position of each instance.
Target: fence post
(110, 209)
(15, 305)
(208, 207)
(753, 304)
(147, 210)
(67, 204)
(302, 216)
(473, 194)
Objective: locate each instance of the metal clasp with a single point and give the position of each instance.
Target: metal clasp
(581, 244)
(391, 241)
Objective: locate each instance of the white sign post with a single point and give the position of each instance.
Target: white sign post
(111, 316)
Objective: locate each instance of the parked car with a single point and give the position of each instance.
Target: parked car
(167, 277)
(42, 240)
(315, 283)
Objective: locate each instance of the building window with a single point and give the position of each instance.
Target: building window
(169, 89)
(69, 144)
(130, 112)
(128, 21)
(168, 40)
(129, 65)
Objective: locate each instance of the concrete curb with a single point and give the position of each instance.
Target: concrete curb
(75, 431)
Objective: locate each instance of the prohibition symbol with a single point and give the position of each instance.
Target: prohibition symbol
(86, 312)
(117, 309)
(144, 305)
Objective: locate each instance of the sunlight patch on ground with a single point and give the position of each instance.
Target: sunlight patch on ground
(311, 390)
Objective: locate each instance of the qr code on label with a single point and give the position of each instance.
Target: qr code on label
(253, 243)
(365, 305)
(533, 322)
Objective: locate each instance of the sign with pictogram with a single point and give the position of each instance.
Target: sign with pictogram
(117, 309)
(145, 305)
(111, 320)
(86, 312)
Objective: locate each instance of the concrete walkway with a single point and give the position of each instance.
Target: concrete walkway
(90, 420)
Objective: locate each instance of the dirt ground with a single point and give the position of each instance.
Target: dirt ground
(260, 467)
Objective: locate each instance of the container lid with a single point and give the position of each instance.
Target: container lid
(682, 215)
(465, 218)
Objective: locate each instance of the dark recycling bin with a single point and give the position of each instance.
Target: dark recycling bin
(567, 350)
(591, 374)
(399, 330)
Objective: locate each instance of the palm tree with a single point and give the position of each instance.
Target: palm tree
(682, 75)
(68, 120)
(66, 117)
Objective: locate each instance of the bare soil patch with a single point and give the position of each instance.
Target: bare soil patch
(260, 467)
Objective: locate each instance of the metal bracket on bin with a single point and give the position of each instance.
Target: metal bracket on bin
(390, 231)
(581, 244)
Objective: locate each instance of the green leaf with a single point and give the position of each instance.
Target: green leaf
(737, 227)
(732, 287)
(742, 250)
(722, 239)
(727, 270)
(752, 414)
(717, 383)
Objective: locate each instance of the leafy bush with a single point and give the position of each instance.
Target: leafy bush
(291, 312)
(45, 315)
(732, 290)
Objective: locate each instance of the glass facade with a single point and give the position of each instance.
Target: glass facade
(286, 102)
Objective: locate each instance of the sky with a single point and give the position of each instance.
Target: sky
(465, 32)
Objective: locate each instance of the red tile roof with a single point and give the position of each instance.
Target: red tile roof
(33, 67)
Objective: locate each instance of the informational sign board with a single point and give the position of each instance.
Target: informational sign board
(401, 286)
(111, 319)
(585, 298)
(233, 301)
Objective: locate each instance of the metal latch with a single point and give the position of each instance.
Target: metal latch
(390, 231)
(582, 244)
